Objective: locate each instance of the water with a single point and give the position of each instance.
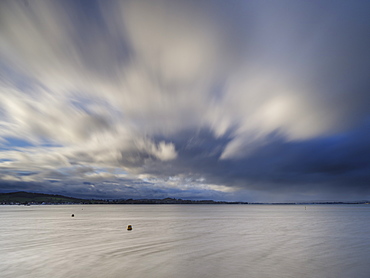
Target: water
(185, 241)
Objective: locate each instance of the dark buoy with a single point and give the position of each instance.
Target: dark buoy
(129, 228)
(72, 215)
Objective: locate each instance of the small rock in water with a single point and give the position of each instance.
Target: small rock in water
(72, 215)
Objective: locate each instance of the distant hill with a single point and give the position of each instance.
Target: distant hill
(22, 197)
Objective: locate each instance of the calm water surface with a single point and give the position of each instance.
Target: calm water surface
(185, 241)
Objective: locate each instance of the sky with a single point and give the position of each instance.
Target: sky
(259, 101)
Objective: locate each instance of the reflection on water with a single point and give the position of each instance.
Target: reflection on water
(185, 241)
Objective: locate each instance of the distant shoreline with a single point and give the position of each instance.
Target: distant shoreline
(27, 198)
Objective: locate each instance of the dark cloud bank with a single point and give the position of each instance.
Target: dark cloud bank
(237, 100)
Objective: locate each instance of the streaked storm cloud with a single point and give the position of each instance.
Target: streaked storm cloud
(225, 100)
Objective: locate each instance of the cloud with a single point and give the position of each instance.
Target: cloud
(199, 96)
